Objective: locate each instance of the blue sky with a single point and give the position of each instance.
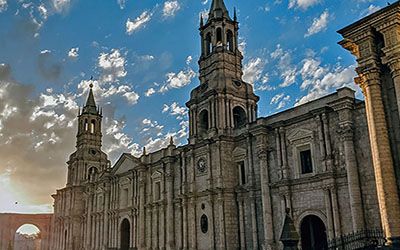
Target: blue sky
(143, 57)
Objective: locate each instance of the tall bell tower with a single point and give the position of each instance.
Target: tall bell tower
(223, 101)
(88, 161)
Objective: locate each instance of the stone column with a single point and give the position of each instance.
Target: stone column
(170, 207)
(284, 153)
(385, 178)
(336, 214)
(328, 209)
(266, 198)
(142, 213)
(327, 142)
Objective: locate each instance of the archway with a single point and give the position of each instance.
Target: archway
(125, 234)
(313, 233)
(203, 122)
(27, 237)
(239, 116)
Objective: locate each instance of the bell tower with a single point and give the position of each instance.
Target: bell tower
(223, 101)
(88, 161)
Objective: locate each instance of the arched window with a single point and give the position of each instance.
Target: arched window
(219, 37)
(203, 121)
(239, 116)
(92, 174)
(125, 234)
(92, 126)
(208, 44)
(86, 125)
(27, 235)
(313, 233)
(229, 39)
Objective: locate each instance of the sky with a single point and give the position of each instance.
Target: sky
(143, 57)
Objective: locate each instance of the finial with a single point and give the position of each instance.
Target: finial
(79, 111)
(234, 14)
(171, 141)
(201, 20)
(91, 82)
(144, 151)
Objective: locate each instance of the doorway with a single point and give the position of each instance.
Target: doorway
(313, 234)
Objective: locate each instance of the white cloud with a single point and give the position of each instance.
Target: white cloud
(121, 4)
(302, 4)
(319, 24)
(171, 8)
(242, 45)
(139, 23)
(61, 5)
(286, 70)
(321, 80)
(371, 9)
(43, 11)
(204, 13)
(3, 5)
(73, 53)
(178, 80)
(204, 2)
(175, 110)
(252, 70)
(189, 60)
(281, 100)
(112, 65)
(150, 92)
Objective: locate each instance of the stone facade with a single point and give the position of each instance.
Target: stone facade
(375, 41)
(231, 185)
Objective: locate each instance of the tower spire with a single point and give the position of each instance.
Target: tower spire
(218, 10)
(90, 106)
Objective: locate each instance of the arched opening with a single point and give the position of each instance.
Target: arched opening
(229, 39)
(219, 37)
(92, 126)
(208, 44)
(313, 233)
(203, 122)
(86, 125)
(125, 234)
(239, 116)
(92, 174)
(27, 237)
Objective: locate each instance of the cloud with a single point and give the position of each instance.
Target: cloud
(286, 70)
(321, 80)
(139, 23)
(319, 24)
(178, 80)
(73, 53)
(281, 100)
(3, 5)
(150, 92)
(49, 68)
(112, 65)
(61, 5)
(253, 69)
(189, 60)
(171, 8)
(371, 9)
(175, 110)
(121, 4)
(302, 4)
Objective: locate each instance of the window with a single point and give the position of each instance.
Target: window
(208, 44)
(229, 38)
(157, 191)
(92, 126)
(219, 37)
(203, 122)
(86, 125)
(204, 224)
(239, 117)
(242, 173)
(306, 162)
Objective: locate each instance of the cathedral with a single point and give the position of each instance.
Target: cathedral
(328, 167)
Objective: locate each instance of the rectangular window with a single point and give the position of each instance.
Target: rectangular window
(242, 173)
(306, 162)
(157, 191)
